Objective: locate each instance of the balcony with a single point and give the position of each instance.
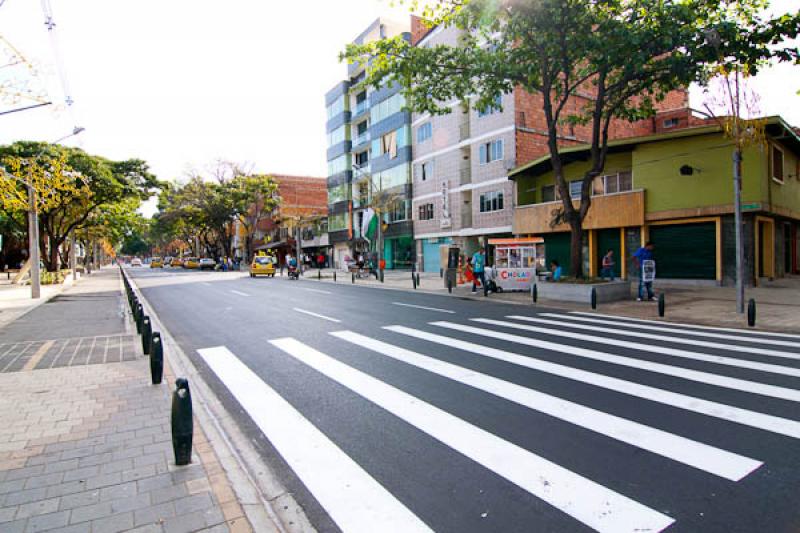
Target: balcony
(361, 139)
(607, 211)
(361, 107)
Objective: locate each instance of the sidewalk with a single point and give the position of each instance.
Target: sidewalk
(778, 302)
(85, 442)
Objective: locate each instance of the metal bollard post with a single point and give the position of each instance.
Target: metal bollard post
(354, 277)
(381, 272)
(414, 281)
(441, 272)
(751, 312)
(319, 274)
(534, 292)
(418, 282)
(661, 304)
(156, 358)
(449, 285)
(593, 298)
(147, 332)
(334, 276)
(182, 424)
(139, 317)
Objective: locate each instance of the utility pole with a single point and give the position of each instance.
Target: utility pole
(298, 247)
(33, 239)
(737, 200)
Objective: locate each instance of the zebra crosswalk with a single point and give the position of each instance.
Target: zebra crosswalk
(707, 415)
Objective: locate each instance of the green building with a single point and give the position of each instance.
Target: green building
(676, 190)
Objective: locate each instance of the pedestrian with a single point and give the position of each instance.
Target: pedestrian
(644, 261)
(607, 270)
(555, 268)
(478, 264)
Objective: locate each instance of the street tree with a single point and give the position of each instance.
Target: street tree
(256, 197)
(626, 55)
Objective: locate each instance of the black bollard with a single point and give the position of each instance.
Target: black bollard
(418, 283)
(319, 274)
(139, 317)
(414, 281)
(534, 292)
(182, 424)
(441, 272)
(354, 277)
(147, 332)
(751, 312)
(449, 285)
(156, 358)
(594, 298)
(381, 273)
(661, 304)
(334, 276)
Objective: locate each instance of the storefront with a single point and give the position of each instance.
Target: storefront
(516, 262)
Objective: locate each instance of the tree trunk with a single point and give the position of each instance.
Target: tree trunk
(576, 247)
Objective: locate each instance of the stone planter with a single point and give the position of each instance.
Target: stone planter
(581, 292)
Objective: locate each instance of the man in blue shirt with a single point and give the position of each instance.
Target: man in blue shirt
(645, 253)
(478, 267)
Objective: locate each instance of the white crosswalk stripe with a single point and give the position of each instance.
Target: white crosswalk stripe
(708, 458)
(708, 378)
(654, 327)
(690, 327)
(668, 338)
(774, 424)
(589, 502)
(349, 494)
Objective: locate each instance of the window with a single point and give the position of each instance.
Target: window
(336, 107)
(393, 177)
(575, 188)
(424, 132)
(390, 106)
(491, 201)
(361, 128)
(426, 212)
(389, 144)
(337, 194)
(337, 222)
(336, 136)
(777, 164)
(340, 164)
(400, 210)
(671, 122)
(425, 171)
(491, 151)
(548, 193)
(361, 158)
(612, 183)
(361, 102)
(495, 107)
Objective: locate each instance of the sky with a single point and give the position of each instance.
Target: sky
(181, 83)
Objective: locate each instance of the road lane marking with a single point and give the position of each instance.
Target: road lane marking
(423, 307)
(708, 378)
(585, 500)
(35, 358)
(674, 352)
(694, 326)
(708, 458)
(207, 284)
(239, 293)
(353, 498)
(316, 290)
(323, 317)
(766, 422)
(654, 337)
(791, 344)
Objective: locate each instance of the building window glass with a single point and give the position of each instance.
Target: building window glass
(611, 184)
(549, 193)
(361, 158)
(390, 106)
(400, 210)
(491, 201)
(336, 136)
(336, 107)
(495, 107)
(393, 177)
(491, 151)
(426, 212)
(340, 164)
(777, 164)
(424, 132)
(337, 194)
(575, 188)
(337, 222)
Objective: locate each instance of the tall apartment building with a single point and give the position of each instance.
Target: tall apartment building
(369, 160)
(461, 192)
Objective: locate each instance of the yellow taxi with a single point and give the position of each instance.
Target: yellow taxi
(262, 265)
(176, 262)
(191, 262)
(156, 262)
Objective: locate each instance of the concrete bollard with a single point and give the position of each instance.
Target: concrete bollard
(139, 317)
(593, 298)
(751, 312)
(182, 423)
(147, 332)
(534, 292)
(156, 358)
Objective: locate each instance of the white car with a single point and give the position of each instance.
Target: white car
(136, 262)
(207, 263)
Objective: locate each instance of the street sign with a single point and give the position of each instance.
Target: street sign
(751, 206)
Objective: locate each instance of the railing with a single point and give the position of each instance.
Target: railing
(361, 139)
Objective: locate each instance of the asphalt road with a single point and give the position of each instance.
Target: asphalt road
(480, 416)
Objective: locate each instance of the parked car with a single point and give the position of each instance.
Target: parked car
(262, 265)
(176, 262)
(156, 262)
(207, 263)
(191, 262)
(136, 262)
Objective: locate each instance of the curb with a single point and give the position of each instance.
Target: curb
(267, 505)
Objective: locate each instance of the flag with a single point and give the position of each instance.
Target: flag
(369, 224)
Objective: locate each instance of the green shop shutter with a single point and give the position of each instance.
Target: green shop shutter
(608, 239)
(685, 251)
(557, 247)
